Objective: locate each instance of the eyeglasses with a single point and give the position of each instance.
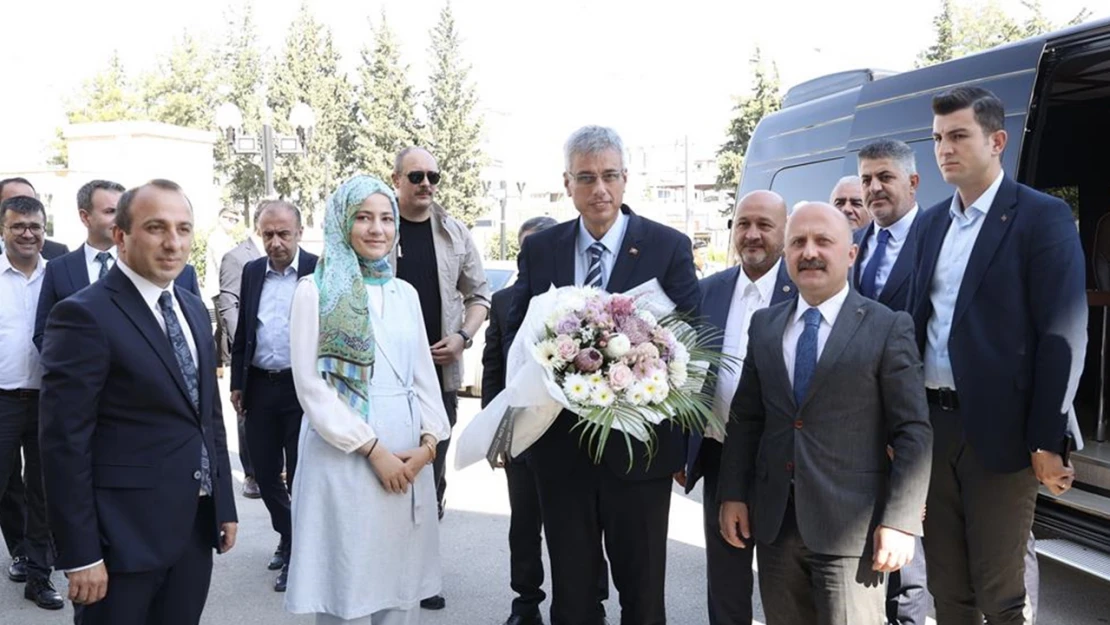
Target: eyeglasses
(20, 228)
(416, 177)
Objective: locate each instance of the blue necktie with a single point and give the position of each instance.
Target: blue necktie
(103, 258)
(189, 372)
(593, 274)
(805, 355)
(871, 271)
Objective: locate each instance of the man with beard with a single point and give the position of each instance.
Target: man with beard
(728, 301)
(847, 197)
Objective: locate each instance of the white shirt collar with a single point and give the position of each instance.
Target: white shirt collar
(900, 229)
(149, 291)
(6, 265)
(292, 265)
(829, 308)
(765, 284)
(981, 205)
(91, 252)
(611, 240)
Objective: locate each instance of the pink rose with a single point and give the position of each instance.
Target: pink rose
(588, 360)
(620, 377)
(566, 347)
(621, 306)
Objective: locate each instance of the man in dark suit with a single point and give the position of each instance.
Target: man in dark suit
(583, 503)
(71, 272)
(262, 388)
(227, 312)
(728, 300)
(999, 304)
(829, 380)
(888, 173)
(135, 456)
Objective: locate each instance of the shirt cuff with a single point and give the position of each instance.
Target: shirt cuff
(82, 568)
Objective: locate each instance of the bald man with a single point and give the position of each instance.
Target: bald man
(728, 300)
(847, 197)
(830, 378)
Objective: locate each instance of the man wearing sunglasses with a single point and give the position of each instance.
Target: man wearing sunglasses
(436, 255)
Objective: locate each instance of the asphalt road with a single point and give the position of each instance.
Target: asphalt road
(475, 560)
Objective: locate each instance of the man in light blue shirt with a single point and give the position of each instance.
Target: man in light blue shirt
(262, 388)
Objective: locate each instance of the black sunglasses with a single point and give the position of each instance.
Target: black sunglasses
(416, 177)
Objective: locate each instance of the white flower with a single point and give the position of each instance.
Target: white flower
(678, 374)
(577, 388)
(586, 335)
(596, 379)
(635, 395)
(661, 393)
(602, 396)
(681, 353)
(647, 317)
(618, 346)
(658, 376)
(547, 353)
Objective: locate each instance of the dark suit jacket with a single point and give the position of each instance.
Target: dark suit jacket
(716, 302)
(68, 274)
(896, 292)
(865, 393)
(1020, 321)
(246, 330)
(120, 439)
(496, 351)
(53, 249)
(649, 250)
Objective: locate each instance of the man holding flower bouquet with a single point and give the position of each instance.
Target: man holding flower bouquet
(623, 499)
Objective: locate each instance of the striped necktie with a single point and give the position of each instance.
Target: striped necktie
(593, 274)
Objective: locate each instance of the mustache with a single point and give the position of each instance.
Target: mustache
(814, 263)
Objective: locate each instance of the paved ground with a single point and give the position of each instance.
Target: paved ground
(475, 556)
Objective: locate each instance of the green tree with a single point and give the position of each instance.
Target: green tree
(454, 126)
(385, 107)
(764, 99)
(964, 28)
(181, 89)
(493, 247)
(109, 96)
(308, 71)
(241, 78)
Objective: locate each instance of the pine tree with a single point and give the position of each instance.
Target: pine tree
(108, 96)
(181, 89)
(764, 99)
(454, 126)
(940, 51)
(308, 71)
(386, 109)
(241, 71)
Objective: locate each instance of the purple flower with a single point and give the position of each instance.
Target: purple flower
(588, 360)
(621, 306)
(568, 325)
(637, 330)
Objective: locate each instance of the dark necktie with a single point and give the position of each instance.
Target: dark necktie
(103, 258)
(805, 355)
(189, 372)
(871, 271)
(593, 274)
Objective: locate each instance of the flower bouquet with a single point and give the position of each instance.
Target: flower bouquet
(624, 362)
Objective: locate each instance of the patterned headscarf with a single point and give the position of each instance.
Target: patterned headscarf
(346, 354)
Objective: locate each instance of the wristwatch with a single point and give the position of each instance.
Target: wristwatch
(467, 341)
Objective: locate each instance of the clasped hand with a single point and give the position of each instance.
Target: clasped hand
(397, 470)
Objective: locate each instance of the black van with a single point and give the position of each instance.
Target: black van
(1056, 89)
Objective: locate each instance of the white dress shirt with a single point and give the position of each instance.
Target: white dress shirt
(747, 298)
(829, 308)
(20, 367)
(948, 275)
(275, 303)
(899, 231)
(150, 293)
(612, 242)
(93, 265)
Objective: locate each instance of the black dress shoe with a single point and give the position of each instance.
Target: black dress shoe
(516, 619)
(278, 560)
(250, 488)
(434, 603)
(17, 571)
(282, 579)
(42, 592)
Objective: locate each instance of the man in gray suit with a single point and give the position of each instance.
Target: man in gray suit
(829, 380)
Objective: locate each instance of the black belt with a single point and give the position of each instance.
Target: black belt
(273, 375)
(20, 393)
(944, 398)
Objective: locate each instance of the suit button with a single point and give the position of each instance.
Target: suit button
(789, 466)
(798, 424)
(196, 475)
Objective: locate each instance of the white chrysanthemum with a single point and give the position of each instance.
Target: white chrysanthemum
(678, 374)
(602, 396)
(660, 394)
(647, 317)
(596, 379)
(618, 346)
(577, 388)
(681, 353)
(658, 376)
(547, 354)
(635, 395)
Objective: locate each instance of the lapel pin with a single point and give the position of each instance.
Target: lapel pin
(786, 288)
(1004, 218)
(633, 251)
(859, 311)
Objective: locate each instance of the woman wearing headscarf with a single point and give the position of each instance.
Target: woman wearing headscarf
(364, 501)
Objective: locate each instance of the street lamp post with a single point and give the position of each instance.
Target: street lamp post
(230, 119)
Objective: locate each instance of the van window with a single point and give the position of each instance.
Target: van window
(812, 182)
